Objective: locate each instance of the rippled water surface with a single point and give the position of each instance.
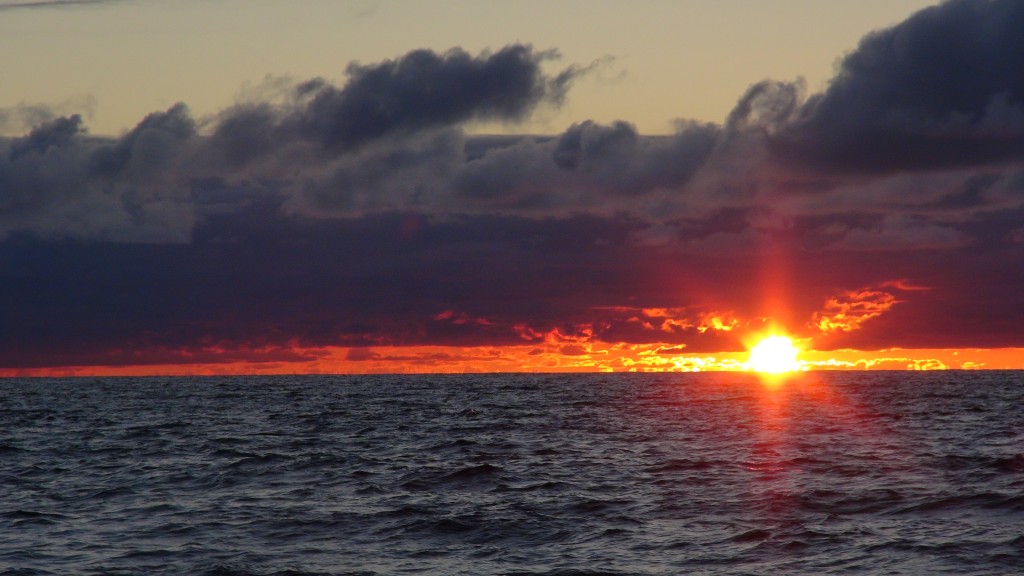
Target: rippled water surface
(830, 473)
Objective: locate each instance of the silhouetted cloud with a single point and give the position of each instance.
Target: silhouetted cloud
(424, 89)
(363, 215)
(617, 158)
(23, 117)
(57, 182)
(19, 118)
(53, 134)
(945, 88)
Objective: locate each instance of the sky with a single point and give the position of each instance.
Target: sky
(272, 187)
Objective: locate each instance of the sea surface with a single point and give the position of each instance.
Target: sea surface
(826, 473)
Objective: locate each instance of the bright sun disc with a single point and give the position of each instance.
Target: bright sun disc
(774, 355)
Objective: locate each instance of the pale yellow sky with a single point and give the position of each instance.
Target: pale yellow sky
(118, 61)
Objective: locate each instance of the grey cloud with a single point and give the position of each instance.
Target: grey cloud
(902, 233)
(400, 174)
(388, 138)
(424, 89)
(149, 144)
(421, 91)
(53, 134)
(520, 177)
(589, 166)
(766, 107)
(944, 88)
(245, 134)
(354, 214)
(392, 138)
(589, 143)
(58, 182)
(24, 116)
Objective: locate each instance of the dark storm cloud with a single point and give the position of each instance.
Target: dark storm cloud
(392, 100)
(24, 116)
(363, 215)
(58, 182)
(148, 146)
(408, 173)
(424, 89)
(765, 107)
(590, 166)
(243, 134)
(945, 88)
(261, 281)
(390, 138)
(617, 156)
(53, 134)
(374, 280)
(592, 143)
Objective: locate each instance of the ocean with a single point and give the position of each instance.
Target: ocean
(517, 474)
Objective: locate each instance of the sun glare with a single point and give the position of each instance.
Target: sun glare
(774, 355)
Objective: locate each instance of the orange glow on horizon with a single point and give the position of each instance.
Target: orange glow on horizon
(583, 356)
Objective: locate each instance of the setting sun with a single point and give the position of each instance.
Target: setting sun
(774, 355)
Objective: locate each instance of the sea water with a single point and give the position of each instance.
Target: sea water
(824, 473)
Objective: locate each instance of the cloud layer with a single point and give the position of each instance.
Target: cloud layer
(943, 89)
(887, 210)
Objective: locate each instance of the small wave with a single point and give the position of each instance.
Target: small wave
(434, 479)
(115, 492)
(445, 525)
(987, 500)
(228, 570)
(754, 535)
(570, 572)
(259, 460)
(25, 572)
(473, 472)
(1017, 542)
(230, 453)
(547, 485)
(842, 503)
(1013, 464)
(32, 517)
(452, 445)
(594, 506)
(686, 465)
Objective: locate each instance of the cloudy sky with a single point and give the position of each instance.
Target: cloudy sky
(311, 186)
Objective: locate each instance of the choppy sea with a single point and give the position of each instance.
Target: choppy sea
(827, 473)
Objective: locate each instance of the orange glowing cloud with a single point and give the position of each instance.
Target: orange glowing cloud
(849, 310)
(460, 318)
(677, 320)
(717, 321)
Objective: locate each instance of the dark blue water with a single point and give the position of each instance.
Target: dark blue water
(832, 473)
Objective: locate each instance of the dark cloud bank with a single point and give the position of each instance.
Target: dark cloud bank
(362, 214)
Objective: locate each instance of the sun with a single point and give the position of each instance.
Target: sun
(774, 355)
